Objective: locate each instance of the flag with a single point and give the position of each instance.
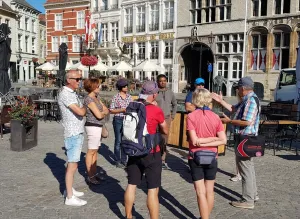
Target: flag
(87, 28)
(100, 33)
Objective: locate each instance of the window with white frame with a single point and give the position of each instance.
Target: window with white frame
(114, 32)
(223, 68)
(154, 17)
(19, 42)
(229, 43)
(259, 51)
(154, 50)
(154, 75)
(141, 49)
(42, 51)
(33, 45)
(64, 39)
(26, 23)
(237, 69)
(128, 20)
(282, 6)
(259, 8)
(33, 26)
(168, 73)
(80, 19)
(130, 49)
(58, 21)
(45, 51)
(168, 20)
(26, 43)
(281, 50)
(104, 33)
(55, 44)
(140, 19)
(209, 11)
(77, 43)
(168, 49)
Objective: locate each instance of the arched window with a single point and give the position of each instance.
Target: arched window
(281, 47)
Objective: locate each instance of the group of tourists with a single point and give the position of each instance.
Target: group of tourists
(158, 105)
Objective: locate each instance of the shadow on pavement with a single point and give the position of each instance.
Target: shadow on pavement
(223, 191)
(114, 193)
(225, 173)
(165, 198)
(58, 169)
(107, 153)
(289, 157)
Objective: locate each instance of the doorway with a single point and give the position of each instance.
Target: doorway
(196, 60)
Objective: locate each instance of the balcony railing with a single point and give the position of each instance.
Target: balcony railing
(141, 55)
(127, 29)
(153, 27)
(154, 55)
(140, 28)
(168, 25)
(115, 6)
(104, 8)
(96, 9)
(168, 55)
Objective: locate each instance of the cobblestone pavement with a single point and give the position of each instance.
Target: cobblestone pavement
(31, 183)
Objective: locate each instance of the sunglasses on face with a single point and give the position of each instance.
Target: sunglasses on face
(76, 79)
(200, 84)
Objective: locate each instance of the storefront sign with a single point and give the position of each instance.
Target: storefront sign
(165, 36)
(141, 39)
(152, 37)
(127, 39)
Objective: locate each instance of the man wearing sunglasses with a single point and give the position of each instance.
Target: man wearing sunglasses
(72, 112)
(189, 106)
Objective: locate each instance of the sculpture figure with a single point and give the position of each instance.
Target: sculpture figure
(218, 81)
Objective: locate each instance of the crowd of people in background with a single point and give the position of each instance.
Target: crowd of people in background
(205, 132)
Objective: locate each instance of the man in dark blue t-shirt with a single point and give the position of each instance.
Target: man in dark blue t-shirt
(189, 106)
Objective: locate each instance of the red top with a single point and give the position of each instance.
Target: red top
(206, 124)
(154, 116)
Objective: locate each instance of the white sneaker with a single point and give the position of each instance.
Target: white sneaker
(236, 178)
(74, 201)
(75, 193)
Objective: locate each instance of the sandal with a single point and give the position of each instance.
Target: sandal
(92, 180)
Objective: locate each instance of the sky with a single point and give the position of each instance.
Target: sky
(38, 4)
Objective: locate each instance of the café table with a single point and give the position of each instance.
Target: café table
(48, 108)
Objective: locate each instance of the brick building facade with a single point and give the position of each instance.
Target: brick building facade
(65, 21)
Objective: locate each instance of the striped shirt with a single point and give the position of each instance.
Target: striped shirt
(119, 103)
(247, 110)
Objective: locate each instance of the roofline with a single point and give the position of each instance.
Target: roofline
(13, 3)
(12, 11)
(62, 3)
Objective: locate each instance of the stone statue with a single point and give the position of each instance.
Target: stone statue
(218, 81)
(124, 50)
(194, 32)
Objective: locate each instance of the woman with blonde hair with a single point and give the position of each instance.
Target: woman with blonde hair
(96, 111)
(206, 133)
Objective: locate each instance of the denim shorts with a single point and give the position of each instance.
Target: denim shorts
(73, 147)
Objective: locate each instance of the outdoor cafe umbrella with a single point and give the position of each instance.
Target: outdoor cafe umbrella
(121, 66)
(99, 67)
(5, 53)
(63, 59)
(46, 67)
(147, 66)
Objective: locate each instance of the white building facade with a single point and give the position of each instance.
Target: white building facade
(148, 29)
(26, 40)
(107, 15)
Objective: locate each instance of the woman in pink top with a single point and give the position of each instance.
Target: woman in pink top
(206, 133)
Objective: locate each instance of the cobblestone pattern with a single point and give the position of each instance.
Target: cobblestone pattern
(31, 183)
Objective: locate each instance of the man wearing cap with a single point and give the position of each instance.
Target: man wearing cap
(118, 107)
(245, 122)
(167, 102)
(150, 164)
(189, 106)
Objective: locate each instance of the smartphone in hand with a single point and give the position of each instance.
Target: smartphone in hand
(221, 115)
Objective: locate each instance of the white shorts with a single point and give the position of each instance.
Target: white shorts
(93, 136)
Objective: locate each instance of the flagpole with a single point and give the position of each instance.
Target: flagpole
(244, 66)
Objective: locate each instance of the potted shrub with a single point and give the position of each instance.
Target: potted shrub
(23, 125)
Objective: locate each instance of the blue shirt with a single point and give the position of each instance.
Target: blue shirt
(189, 97)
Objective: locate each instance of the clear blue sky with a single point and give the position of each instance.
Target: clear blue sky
(38, 4)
